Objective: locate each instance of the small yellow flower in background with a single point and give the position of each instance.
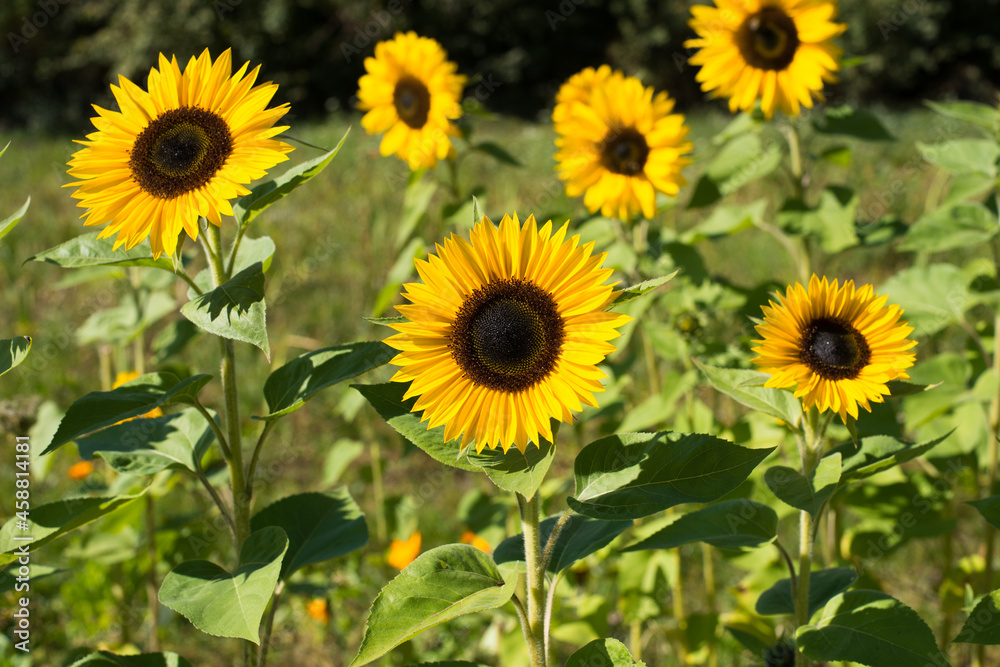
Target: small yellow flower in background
(80, 470)
(402, 552)
(619, 144)
(128, 376)
(318, 609)
(837, 346)
(469, 537)
(412, 93)
(179, 151)
(780, 52)
(505, 332)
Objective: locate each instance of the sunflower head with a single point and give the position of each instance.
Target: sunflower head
(780, 52)
(619, 144)
(838, 346)
(178, 151)
(411, 92)
(505, 332)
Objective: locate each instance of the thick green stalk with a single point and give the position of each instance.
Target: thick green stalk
(152, 600)
(535, 632)
(805, 566)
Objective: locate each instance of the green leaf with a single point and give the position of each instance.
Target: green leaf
(133, 399)
(123, 323)
(878, 453)
(579, 537)
(796, 491)
(13, 351)
(832, 221)
(870, 628)
(932, 297)
(416, 201)
(105, 659)
(441, 584)
(823, 585)
(605, 653)
(288, 388)
(513, 471)
(52, 520)
(9, 575)
(838, 155)
(172, 339)
(319, 526)
(261, 197)
(963, 155)
(856, 123)
(969, 186)
(448, 663)
(983, 115)
(235, 309)
(983, 624)
(385, 321)
(706, 192)
(952, 227)
(745, 386)
(88, 250)
(223, 603)
(477, 212)
(637, 290)
(147, 446)
(387, 399)
(725, 220)
(252, 251)
(730, 524)
(8, 224)
(742, 160)
(989, 508)
(497, 152)
(632, 475)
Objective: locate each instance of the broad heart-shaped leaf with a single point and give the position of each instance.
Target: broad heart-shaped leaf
(983, 115)
(832, 221)
(742, 386)
(8, 224)
(13, 351)
(513, 471)
(989, 508)
(49, 521)
(877, 453)
(234, 309)
(387, 399)
(796, 491)
(133, 399)
(105, 659)
(288, 388)
(958, 226)
(147, 446)
(932, 297)
(632, 475)
(983, 624)
(963, 155)
(228, 604)
(441, 584)
(823, 585)
(603, 653)
(88, 250)
(730, 524)
(635, 291)
(856, 123)
(320, 526)
(870, 628)
(579, 537)
(250, 206)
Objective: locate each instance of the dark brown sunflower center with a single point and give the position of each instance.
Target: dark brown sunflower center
(834, 349)
(181, 150)
(624, 151)
(768, 39)
(507, 335)
(412, 101)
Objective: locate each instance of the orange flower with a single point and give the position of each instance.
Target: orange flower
(469, 537)
(80, 470)
(128, 376)
(318, 609)
(402, 553)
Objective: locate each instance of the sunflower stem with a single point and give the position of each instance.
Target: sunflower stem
(535, 632)
(814, 432)
(795, 158)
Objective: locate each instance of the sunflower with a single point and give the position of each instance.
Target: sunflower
(411, 93)
(177, 152)
(838, 346)
(505, 332)
(618, 143)
(778, 51)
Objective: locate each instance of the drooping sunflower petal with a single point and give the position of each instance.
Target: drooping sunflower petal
(837, 346)
(505, 333)
(177, 152)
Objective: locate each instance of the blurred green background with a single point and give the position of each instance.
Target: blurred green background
(59, 56)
